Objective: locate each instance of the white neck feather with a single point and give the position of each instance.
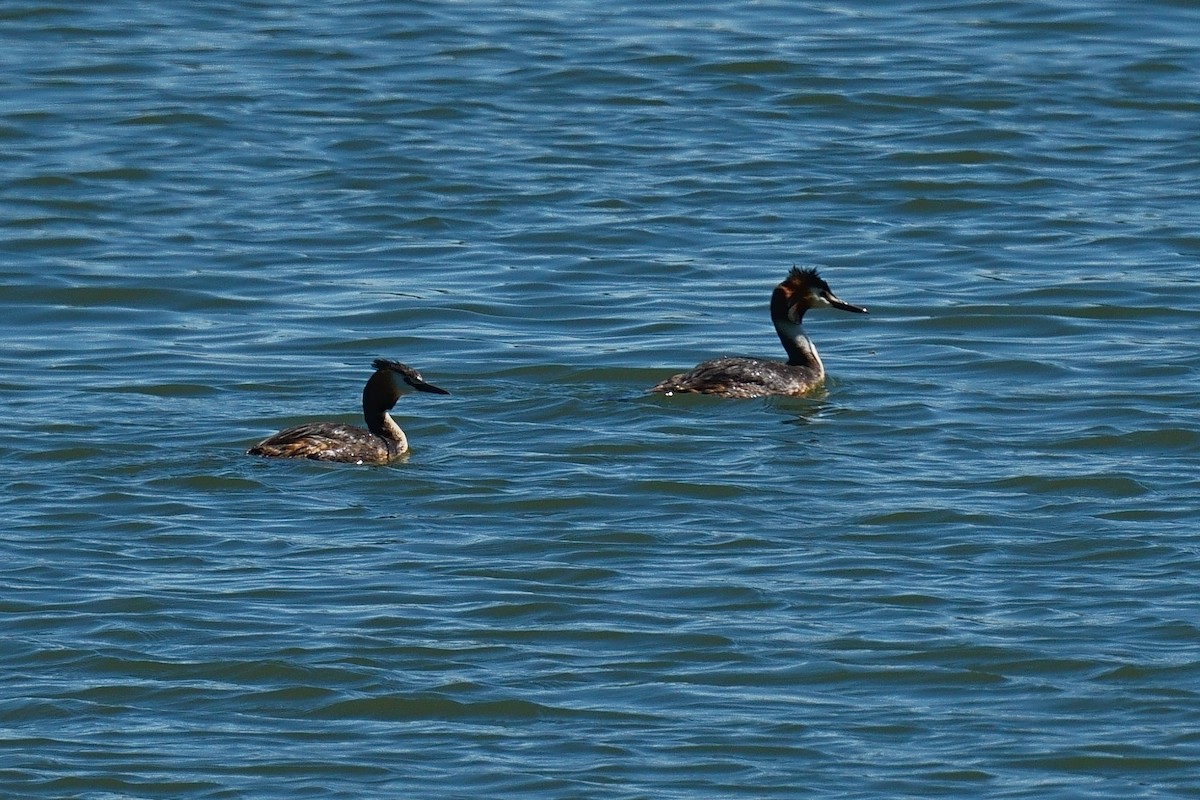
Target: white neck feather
(392, 431)
(800, 349)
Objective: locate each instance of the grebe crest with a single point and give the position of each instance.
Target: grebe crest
(742, 376)
(381, 442)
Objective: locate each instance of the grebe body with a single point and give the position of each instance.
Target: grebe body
(743, 376)
(381, 442)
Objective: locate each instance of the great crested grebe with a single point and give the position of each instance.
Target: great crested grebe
(739, 376)
(381, 442)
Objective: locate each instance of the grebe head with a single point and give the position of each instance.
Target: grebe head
(801, 290)
(407, 376)
(391, 380)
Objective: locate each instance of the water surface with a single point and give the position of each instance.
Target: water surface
(966, 568)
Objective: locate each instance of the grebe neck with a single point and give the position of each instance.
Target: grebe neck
(800, 349)
(379, 397)
(383, 426)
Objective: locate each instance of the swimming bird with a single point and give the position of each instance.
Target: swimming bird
(741, 376)
(381, 442)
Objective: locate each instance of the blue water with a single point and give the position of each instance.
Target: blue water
(967, 568)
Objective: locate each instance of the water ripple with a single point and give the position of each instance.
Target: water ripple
(970, 553)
